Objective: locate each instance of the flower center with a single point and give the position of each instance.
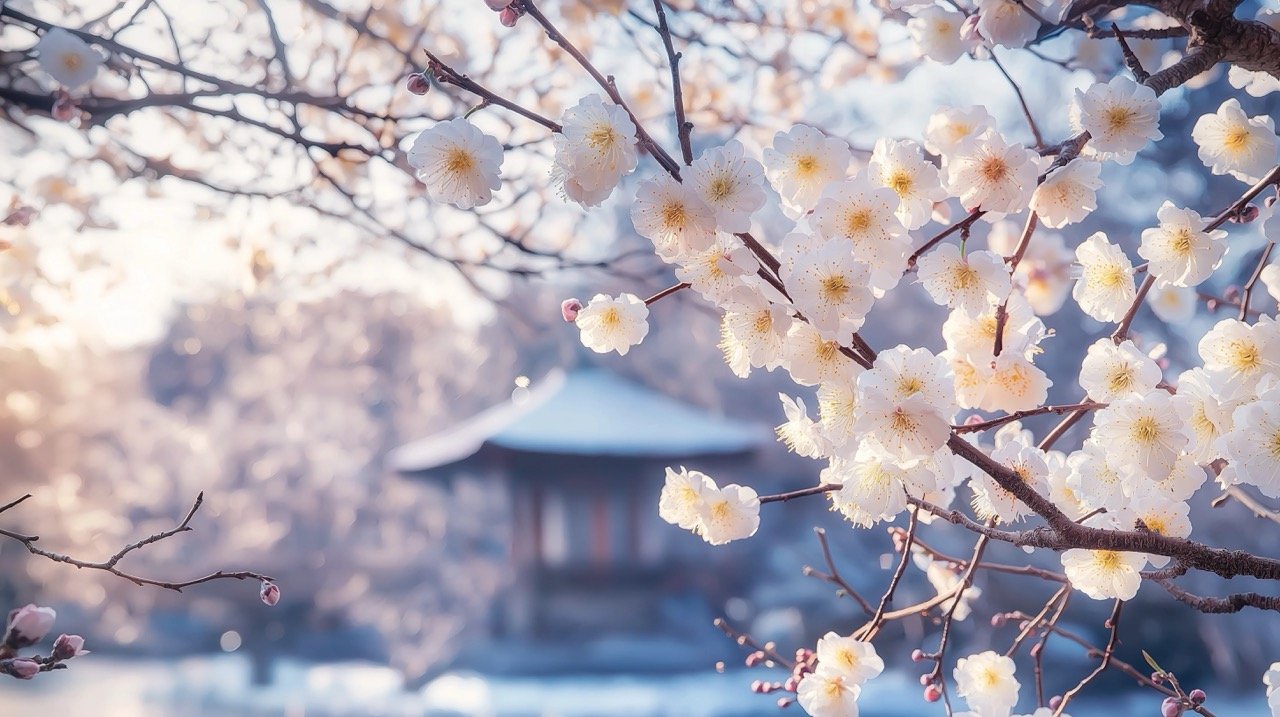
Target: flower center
(835, 288)
(900, 182)
(1120, 380)
(721, 187)
(1244, 355)
(994, 169)
(1146, 429)
(610, 318)
(72, 61)
(1108, 560)
(459, 160)
(674, 214)
(1120, 118)
(858, 221)
(1236, 139)
(602, 137)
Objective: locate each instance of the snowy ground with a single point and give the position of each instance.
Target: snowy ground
(219, 687)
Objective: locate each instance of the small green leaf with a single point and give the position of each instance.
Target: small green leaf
(1152, 661)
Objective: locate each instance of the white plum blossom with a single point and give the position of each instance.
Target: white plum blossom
(1173, 304)
(673, 217)
(1006, 23)
(1098, 479)
(1121, 117)
(992, 174)
(1231, 142)
(731, 183)
(856, 659)
(1209, 413)
(802, 162)
(608, 324)
(1180, 250)
(1252, 447)
(970, 281)
(992, 500)
(862, 215)
(827, 692)
(1271, 280)
(936, 31)
(812, 359)
(1104, 574)
(949, 129)
(902, 372)
(459, 164)
(987, 683)
(1160, 515)
(872, 485)
(683, 496)
(830, 288)
(1241, 353)
(1014, 383)
(1105, 289)
(800, 433)
(1110, 371)
(597, 148)
(1069, 194)
(908, 429)
(68, 59)
(728, 514)
(752, 333)
(1146, 432)
(899, 165)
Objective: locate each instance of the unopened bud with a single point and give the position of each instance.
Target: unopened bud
(417, 83)
(1198, 696)
(64, 108)
(270, 593)
(1246, 214)
(67, 647)
(569, 309)
(508, 16)
(21, 668)
(28, 625)
(932, 693)
(1171, 707)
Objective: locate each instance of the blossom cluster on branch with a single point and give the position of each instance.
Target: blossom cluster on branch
(900, 428)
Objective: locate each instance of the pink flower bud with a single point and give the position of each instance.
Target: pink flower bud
(20, 668)
(28, 625)
(417, 83)
(497, 5)
(1198, 696)
(508, 16)
(1245, 215)
(932, 693)
(270, 593)
(1171, 707)
(569, 309)
(68, 646)
(64, 109)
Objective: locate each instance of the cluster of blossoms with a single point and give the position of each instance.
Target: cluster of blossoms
(890, 426)
(693, 501)
(26, 627)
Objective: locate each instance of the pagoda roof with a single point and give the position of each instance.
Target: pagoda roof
(587, 412)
